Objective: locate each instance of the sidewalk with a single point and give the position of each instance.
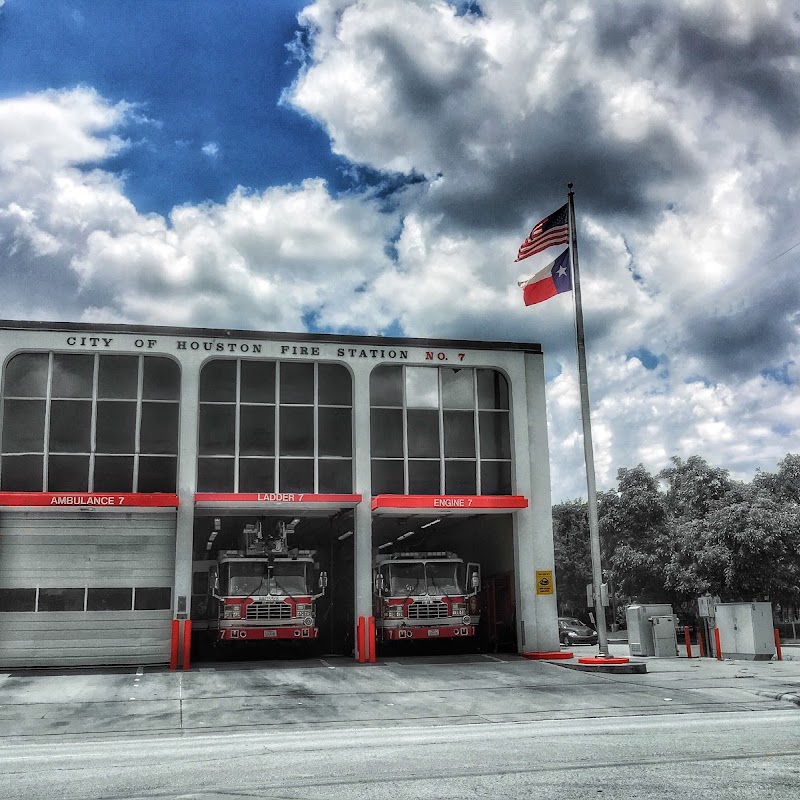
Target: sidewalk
(398, 692)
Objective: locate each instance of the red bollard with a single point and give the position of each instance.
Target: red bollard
(778, 650)
(361, 641)
(187, 643)
(719, 646)
(173, 651)
(371, 638)
(688, 641)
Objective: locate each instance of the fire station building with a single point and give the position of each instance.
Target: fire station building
(131, 456)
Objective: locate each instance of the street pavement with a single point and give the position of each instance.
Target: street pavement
(482, 725)
(330, 692)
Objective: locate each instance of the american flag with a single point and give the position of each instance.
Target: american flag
(550, 231)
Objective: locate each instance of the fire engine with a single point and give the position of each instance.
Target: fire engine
(262, 591)
(425, 595)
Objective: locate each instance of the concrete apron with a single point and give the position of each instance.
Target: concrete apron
(336, 693)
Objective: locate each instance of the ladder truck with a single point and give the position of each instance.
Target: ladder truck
(263, 590)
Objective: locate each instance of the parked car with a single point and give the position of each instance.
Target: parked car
(573, 631)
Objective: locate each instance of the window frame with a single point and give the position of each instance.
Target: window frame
(444, 460)
(94, 399)
(276, 407)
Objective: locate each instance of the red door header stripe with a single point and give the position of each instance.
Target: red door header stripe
(93, 499)
(279, 497)
(443, 502)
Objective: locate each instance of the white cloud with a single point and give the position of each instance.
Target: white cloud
(259, 260)
(685, 168)
(672, 121)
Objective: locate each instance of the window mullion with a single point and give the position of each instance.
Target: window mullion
(137, 435)
(316, 427)
(442, 484)
(404, 396)
(47, 415)
(476, 420)
(93, 422)
(277, 454)
(237, 424)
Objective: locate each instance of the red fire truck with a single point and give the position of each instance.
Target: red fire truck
(263, 590)
(425, 595)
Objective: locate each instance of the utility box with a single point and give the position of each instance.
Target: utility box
(640, 627)
(746, 631)
(665, 637)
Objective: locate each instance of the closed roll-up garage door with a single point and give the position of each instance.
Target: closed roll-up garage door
(86, 587)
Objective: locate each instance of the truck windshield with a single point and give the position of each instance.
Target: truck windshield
(254, 578)
(444, 577)
(406, 579)
(246, 578)
(289, 577)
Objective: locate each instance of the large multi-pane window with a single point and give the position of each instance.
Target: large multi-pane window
(439, 431)
(75, 422)
(269, 426)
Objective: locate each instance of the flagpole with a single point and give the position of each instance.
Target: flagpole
(588, 452)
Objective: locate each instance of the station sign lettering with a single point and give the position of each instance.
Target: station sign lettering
(88, 341)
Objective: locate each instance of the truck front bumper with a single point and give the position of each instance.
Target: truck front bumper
(258, 633)
(427, 632)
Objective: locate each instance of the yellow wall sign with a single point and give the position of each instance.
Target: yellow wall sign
(544, 581)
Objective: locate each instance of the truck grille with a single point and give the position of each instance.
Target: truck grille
(427, 610)
(269, 611)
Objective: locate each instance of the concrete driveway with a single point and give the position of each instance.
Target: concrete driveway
(332, 692)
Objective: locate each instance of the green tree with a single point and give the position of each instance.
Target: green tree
(784, 486)
(634, 533)
(746, 549)
(572, 555)
(697, 531)
(694, 487)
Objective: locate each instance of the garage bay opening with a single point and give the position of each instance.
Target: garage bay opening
(443, 584)
(263, 586)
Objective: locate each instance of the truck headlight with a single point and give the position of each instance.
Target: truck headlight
(393, 612)
(302, 608)
(232, 612)
(458, 609)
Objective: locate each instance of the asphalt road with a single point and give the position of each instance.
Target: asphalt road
(754, 754)
(467, 727)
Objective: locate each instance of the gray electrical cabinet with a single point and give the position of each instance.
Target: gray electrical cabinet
(641, 628)
(746, 631)
(665, 638)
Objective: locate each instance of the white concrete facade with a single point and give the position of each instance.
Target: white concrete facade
(521, 364)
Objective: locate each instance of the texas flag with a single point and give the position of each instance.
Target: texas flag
(555, 278)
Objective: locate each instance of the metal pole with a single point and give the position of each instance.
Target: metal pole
(588, 452)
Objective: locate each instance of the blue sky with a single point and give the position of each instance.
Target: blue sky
(203, 72)
(373, 167)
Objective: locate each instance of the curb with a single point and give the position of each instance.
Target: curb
(787, 697)
(631, 668)
(548, 655)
